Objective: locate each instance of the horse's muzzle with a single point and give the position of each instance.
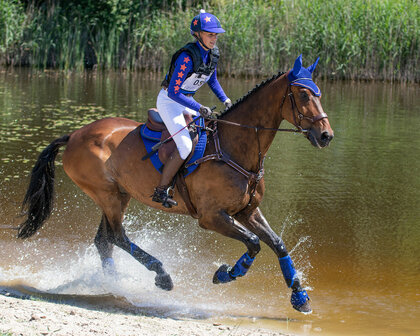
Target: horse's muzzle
(319, 140)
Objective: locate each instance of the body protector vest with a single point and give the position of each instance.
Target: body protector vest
(201, 72)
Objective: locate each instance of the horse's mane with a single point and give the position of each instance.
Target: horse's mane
(250, 93)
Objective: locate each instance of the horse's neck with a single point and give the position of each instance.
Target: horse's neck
(261, 109)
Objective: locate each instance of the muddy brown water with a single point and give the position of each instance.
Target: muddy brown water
(349, 213)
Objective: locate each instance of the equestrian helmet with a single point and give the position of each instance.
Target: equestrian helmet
(206, 22)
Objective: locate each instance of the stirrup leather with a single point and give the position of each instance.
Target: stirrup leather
(163, 195)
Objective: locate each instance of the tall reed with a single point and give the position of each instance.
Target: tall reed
(358, 39)
(11, 29)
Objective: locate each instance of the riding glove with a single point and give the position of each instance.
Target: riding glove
(205, 111)
(228, 103)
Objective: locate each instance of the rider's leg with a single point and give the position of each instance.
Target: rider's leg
(170, 169)
(172, 115)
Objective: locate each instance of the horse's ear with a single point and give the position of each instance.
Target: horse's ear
(313, 66)
(297, 66)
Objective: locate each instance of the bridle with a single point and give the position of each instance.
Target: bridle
(297, 117)
(255, 177)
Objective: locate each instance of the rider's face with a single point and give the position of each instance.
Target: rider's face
(209, 39)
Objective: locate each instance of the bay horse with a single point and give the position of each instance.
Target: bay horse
(103, 158)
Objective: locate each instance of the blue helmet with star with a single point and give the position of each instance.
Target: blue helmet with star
(301, 76)
(206, 22)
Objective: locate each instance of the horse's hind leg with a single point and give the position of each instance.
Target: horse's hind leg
(162, 280)
(111, 232)
(115, 202)
(256, 222)
(104, 246)
(224, 224)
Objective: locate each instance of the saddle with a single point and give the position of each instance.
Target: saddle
(155, 124)
(154, 131)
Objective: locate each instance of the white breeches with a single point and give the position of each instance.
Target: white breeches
(172, 114)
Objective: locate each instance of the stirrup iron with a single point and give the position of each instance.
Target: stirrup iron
(164, 195)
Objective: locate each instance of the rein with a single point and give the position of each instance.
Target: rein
(300, 117)
(252, 177)
(257, 128)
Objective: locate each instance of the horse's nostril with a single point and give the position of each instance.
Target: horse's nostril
(326, 136)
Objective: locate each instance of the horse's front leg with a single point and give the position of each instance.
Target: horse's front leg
(256, 222)
(224, 224)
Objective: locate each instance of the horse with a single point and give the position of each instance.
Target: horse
(103, 159)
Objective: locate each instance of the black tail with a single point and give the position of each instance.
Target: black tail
(38, 201)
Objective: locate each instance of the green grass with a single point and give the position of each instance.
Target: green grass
(358, 39)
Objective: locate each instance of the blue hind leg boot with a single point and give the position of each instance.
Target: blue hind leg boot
(300, 298)
(227, 274)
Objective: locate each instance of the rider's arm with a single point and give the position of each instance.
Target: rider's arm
(183, 66)
(216, 87)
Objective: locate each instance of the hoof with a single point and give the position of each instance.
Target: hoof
(305, 308)
(300, 302)
(164, 281)
(222, 275)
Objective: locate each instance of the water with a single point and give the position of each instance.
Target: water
(349, 213)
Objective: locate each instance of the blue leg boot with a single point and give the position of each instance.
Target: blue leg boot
(227, 274)
(300, 298)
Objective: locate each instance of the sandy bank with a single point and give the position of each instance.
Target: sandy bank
(35, 317)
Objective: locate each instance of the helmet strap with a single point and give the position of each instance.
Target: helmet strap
(198, 37)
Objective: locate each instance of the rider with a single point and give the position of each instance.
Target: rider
(191, 67)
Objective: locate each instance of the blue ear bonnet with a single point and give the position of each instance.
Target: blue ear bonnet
(301, 76)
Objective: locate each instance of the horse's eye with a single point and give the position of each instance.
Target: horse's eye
(304, 96)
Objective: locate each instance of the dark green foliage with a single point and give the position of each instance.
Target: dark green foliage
(11, 29)
(359, 39)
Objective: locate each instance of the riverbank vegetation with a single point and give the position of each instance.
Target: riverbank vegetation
(357, 39)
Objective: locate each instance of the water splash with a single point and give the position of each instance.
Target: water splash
(188, 253)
